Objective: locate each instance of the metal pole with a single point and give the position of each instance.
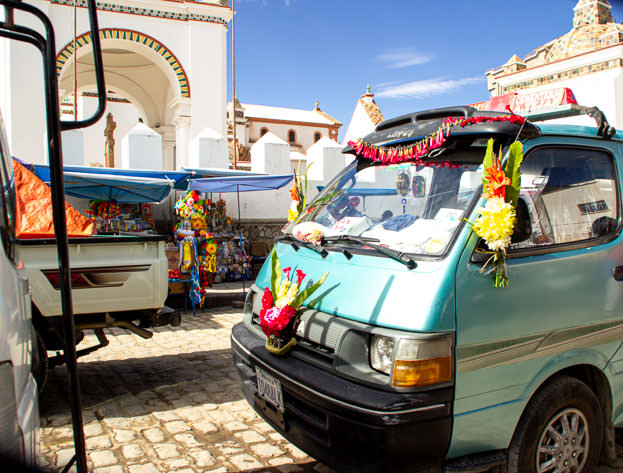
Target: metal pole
(75, 63)
(244, 292)
(233, 84)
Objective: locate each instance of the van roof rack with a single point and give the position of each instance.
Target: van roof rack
(572, 110)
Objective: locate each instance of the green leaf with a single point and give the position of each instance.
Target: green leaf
(303, 295)
(275, 276)
(487, 162)
(305, 186)
(515, 157)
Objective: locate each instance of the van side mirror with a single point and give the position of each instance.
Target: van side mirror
(523, 225)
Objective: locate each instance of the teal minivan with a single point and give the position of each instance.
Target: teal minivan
(408, 358)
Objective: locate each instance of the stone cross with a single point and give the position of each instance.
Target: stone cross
(110, 141)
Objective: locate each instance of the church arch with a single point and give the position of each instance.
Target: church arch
(133, 37)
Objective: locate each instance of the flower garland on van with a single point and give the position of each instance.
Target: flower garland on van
(496, 221)
(413, 152)
(280, 305)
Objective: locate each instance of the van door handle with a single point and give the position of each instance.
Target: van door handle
(617, 273)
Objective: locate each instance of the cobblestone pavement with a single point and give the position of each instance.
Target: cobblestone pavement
(171, 403)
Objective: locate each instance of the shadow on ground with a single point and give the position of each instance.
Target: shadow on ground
(210, 376)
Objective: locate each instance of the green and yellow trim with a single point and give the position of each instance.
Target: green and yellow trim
(132, 36)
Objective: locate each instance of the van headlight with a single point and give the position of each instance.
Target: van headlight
(382, 353)
(423, 362)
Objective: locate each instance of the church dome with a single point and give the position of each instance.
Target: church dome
(583, 39)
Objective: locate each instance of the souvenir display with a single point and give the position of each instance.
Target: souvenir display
(208, 250)
(112, 217)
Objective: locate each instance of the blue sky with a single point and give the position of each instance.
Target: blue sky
(414, 54)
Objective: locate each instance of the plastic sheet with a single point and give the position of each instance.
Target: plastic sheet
(34, 209)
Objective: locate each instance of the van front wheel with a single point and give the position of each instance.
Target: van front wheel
(561, 430)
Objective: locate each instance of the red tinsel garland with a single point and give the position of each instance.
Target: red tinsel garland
(394, 155)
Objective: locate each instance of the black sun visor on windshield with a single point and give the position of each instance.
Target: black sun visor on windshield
(418, 135)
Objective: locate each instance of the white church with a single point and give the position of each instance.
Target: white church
(165, 71)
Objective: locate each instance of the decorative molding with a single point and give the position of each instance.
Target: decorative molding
(132, 36)
(257, 120)
(151, 12)
(559, 76)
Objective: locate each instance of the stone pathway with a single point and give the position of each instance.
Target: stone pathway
(171, 403)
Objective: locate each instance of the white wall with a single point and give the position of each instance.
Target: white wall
(602, 89)
(125, 116)
(142, 149)
(22, 98)
(360, 124)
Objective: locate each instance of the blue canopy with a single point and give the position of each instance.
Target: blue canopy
(240, 183)
(178, 177)
(131, 190)
(200, 173)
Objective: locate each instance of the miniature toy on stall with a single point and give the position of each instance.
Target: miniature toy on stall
(104, 215)
(197, 247)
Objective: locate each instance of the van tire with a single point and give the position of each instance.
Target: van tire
(562, 399)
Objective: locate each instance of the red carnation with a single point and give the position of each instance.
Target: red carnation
(300, 275)
(275, 319)
(267, 299)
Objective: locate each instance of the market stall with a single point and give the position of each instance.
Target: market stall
(117, 203)
(237, 184)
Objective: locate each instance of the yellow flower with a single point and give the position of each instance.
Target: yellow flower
(495, 224)
(282, 292)
(288, 296)
(293, 211)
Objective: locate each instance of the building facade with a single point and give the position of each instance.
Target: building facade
(165, 64)
(300, 129)
(588, 60)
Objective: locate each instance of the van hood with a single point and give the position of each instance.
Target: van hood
(374, 289)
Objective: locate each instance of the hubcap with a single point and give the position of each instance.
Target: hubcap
(563, 445)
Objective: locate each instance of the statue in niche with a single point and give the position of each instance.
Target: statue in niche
(110, 141)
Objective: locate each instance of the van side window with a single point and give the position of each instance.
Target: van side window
(570, 195)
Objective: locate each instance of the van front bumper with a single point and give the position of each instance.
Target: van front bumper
(344, 424)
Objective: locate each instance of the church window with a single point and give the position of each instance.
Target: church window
(263, 131)
(292, 136)
(317, 136)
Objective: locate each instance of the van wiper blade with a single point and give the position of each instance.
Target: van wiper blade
(296, 244)
(368, 241)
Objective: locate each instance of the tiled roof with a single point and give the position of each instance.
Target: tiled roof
(583, 39)
(594, 28)
(373, 111)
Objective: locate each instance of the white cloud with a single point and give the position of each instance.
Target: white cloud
(399, 58)
(425, 88)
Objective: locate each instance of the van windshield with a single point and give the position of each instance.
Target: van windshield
(406, 207)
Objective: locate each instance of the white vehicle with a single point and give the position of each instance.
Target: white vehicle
(19, 405)
(117, 281)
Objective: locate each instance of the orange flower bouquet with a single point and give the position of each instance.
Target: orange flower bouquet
(496, 221)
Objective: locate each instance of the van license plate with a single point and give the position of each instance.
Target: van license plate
(269, 388)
